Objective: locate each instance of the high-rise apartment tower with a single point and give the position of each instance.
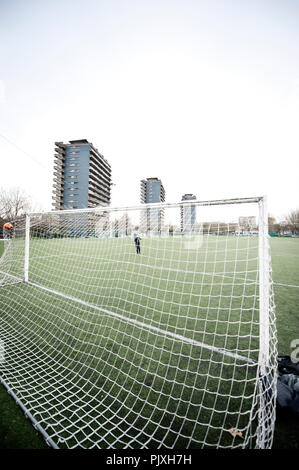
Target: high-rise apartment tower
(152, 191)
(82, 176)
(188, 214)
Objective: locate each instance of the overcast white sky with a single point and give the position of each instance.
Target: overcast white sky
(203, 94)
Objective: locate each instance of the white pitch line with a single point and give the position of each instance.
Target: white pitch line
(284, 285)
(14, 277)
(145, 325)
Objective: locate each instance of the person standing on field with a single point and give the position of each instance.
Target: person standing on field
(137, 243)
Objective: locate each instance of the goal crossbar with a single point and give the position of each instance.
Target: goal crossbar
(157, 205)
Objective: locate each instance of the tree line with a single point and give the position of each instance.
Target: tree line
(290, 224)
(14, 202)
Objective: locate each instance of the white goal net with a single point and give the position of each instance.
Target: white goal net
(142, 327)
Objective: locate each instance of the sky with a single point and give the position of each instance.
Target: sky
(202, 94)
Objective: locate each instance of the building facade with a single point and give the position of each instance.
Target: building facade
(82, 176)
(152, 191)
(188, 214)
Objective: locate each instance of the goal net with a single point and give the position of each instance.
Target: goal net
(142, 327)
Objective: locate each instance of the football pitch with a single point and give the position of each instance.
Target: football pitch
(101, 333)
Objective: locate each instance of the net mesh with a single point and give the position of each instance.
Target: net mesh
(140, 328)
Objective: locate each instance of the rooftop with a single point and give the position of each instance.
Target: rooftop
(80, 141)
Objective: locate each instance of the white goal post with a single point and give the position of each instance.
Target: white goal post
(150, 326)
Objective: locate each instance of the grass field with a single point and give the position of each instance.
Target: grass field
(180, 302)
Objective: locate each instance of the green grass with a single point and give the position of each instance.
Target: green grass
(61, 329)
(285, 265)
(16, 432)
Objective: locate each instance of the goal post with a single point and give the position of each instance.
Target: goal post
(266, 307)
(12, 250)
(151, 326)
(27, 244)
(264, 279)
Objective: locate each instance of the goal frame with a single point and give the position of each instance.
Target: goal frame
(264, 259)
(264, 280)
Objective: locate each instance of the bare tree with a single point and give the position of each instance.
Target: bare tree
(126, 223)
(292, 221)
(271, 224)
(13, 203)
